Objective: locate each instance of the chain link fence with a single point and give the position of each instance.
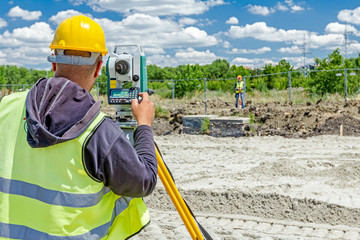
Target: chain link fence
(344, 82)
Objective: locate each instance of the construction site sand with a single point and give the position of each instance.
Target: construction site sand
(260, 187)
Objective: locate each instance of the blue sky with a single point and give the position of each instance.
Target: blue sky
(251, 33)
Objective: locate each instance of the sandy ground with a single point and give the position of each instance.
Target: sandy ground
(260, 187)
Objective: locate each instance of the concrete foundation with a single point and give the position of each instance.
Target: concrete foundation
(218, 126)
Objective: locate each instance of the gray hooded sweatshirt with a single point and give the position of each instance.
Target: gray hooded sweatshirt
(58, 110)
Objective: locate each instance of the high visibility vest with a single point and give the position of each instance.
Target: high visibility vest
(239, 86)
(46, 193)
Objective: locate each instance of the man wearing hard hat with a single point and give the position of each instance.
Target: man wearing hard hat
(239, 87)
(67, 171)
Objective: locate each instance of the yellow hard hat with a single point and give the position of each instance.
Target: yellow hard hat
(239, 77)
(79, 33)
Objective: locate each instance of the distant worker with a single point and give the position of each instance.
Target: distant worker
(239, 88)
(67, 170)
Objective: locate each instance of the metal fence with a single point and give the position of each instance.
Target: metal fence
(341, 75)
(203, 84)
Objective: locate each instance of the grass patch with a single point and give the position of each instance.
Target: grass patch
(252, 118)
(161, 112)
(205, 126)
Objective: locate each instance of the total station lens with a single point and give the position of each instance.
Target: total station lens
(122, 67)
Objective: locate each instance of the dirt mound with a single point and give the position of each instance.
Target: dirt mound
(275, 118)
(350, 125)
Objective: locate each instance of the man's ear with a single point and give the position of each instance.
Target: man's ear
(53, 66)
(98, 68)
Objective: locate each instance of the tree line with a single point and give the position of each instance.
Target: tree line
(220, 75)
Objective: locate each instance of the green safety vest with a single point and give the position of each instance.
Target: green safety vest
(239, 85)
(46, 193)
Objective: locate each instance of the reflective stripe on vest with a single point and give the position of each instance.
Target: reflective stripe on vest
(45, 193)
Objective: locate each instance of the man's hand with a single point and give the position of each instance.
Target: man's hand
(144, 112)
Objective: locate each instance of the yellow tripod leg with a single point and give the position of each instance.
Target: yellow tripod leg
(177, 200)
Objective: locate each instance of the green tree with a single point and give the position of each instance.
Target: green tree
(327, 82)
(155, 72)
(217, 69)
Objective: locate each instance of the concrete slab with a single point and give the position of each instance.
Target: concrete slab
(192, 123)
(231, 119)
(230, 126)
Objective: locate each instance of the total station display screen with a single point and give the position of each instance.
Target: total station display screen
(123, 95)
(118, 93)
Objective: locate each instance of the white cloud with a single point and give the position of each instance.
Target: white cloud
(2, 54)
(298, 62)
(336, 27)
(232, 20)
(77, 2)
(261, 31)
(149, 50)
(205, 22)
(293, 6)
(26, 55)
(154, 32)
(260, 10)
(187, 21)
(260, 62)
(62, 15)
(318, 41)
(39, 33)
(192, 56)
(24, 14)
(183, 56)
(3, 23)
(252, 63)
(156, 7)
(291, 50)
(242, 61)
(226, 44)
(350, 16)
(279, 6)
(296, 8)
(162, 60)
(250, 51)
(353, 48)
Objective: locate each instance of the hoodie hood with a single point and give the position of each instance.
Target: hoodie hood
(58, 110)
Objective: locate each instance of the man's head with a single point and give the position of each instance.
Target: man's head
(78, 45)
(239, 78)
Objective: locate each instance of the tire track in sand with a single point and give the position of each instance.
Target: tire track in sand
(168, 225)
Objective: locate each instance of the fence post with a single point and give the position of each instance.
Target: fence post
(289, 80)
(244, 94)
(345, 84)
(205, 98)
(173, 90)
